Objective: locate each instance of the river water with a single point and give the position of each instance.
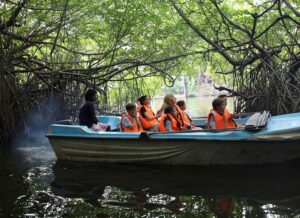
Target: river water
(34, 184)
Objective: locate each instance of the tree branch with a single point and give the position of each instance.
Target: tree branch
(11, 21)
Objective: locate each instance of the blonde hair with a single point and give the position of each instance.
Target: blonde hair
(166, 100)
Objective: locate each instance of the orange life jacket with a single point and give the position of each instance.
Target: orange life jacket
(187, 119)
(147, 124)
(174, 123)
(136, 125)
(183, 118)
(221, 121)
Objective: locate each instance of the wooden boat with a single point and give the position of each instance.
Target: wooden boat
(264, 139)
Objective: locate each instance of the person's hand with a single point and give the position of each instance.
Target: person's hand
(184, 128)
(234, 115)
(239, 125)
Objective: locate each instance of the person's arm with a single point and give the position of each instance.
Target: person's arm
(126, 123)
(188, 117)
(139, 123)
(92, 113)
(148, 116)
(212, 124)
(168, 125)
(160, 112)
(233, 116)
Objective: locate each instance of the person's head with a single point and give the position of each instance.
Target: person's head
(223, 96)
(144, 100)
(170, 99)
(90, 95)
(181, 104)
(131, 109)
(219, 104)
(169, 110)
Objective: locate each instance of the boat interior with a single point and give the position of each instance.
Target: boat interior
(256, 121)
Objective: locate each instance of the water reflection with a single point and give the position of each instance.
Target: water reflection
(205, 191)
(33, 184)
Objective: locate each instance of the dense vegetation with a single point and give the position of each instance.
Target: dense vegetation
(51, 51)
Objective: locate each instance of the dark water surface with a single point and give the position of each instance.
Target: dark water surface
(34, 184)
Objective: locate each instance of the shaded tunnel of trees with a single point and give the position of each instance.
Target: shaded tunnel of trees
(52, 51)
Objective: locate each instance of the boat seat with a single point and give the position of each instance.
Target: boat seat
(258, 121)
(113, 121)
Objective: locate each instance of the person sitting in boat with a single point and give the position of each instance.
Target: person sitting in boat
(170, 100)
(181, 104)
(169, 121)
(233, 115)
(219, 117)
(87, 113)
(224, 96)
(148, 118)
(130, 122)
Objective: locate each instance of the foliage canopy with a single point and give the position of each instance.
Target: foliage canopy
(57, 49)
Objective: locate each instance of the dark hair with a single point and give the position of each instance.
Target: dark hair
(142, 99)
(168, 109)
(130, 106)
(222, 96)
(217, 102)
(90, 94)
(180, 103)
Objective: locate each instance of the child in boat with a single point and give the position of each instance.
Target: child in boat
(181, 104)
(233, 115)
(169, 121)
(148, 118)
(130, 122)
(170, 100)
(219, 117)
(87, 113)
(224, 96)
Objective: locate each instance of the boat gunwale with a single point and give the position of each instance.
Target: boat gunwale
(172, 139)
(248, 134)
